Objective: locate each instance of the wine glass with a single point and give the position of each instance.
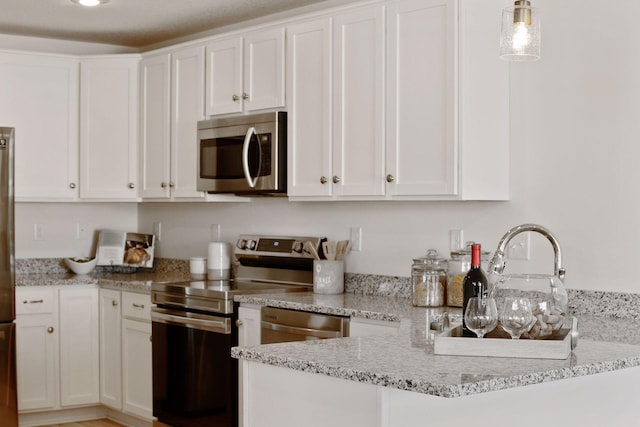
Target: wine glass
(481, 315)
(516, 316)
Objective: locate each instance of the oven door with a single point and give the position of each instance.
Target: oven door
(238, 159)
(194, 377)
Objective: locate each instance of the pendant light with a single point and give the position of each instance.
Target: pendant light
(520, 34)
(90, 3)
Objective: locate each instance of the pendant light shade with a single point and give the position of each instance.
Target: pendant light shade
(520, 33)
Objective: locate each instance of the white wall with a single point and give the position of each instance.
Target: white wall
(59, 224)
(575, 150)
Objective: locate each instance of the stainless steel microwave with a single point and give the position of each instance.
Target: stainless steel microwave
(244, 155)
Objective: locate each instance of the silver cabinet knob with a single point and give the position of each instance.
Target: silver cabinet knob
(163, 185)
(132, 185)
(235, 97)
(114, 303)
(171, 184)
(50, 329)
(336, 179)
(323, 180)
(72, 185)
(245, 95)
(390, 178)
(238, 323)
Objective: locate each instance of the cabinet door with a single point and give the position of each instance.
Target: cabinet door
(224, 77)
(249, 330)
(421, 136)
(264, 69)
(108, 128)
(110, 349)
(155, 136)
(309, 108)
(37, 348)
(358, 156)
(79, 346)
(137, 380)
(187, 107)
(40, 99)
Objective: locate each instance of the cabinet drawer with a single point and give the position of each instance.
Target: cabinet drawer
(37, 301)
(136, 306)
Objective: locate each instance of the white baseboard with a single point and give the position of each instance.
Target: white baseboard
(60, 416)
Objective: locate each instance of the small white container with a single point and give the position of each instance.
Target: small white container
(198, 268)
(328, 277)
(219, 261)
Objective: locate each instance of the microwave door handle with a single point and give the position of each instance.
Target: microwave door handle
(245, 157)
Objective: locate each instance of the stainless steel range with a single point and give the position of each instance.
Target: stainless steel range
(194, 327)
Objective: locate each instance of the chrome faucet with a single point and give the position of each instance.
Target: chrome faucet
(497, 264)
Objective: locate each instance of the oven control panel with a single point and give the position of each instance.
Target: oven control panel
(276, 246)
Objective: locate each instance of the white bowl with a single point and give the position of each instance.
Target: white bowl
(80, 267)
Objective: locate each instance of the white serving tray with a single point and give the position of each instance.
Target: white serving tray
(450, 342)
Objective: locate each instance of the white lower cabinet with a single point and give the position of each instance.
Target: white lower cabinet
(286, 397)
(110, 349)
(57, 347)
(248, 325)
(125, 335)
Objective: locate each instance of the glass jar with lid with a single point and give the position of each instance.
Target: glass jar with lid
(429, 280)
(457, 269)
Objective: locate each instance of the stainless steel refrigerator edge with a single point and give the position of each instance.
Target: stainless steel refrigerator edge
(8, 384)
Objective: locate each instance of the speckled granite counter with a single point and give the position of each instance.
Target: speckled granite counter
(406, 361)
(135, 282)
(51, 272)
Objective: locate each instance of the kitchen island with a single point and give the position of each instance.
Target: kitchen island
(396, 379)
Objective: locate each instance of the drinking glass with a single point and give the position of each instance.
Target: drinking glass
(516, 316)
(481, 315)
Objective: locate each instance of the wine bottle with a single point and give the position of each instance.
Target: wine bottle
(474, 285)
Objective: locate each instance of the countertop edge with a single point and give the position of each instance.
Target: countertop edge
(254, 354)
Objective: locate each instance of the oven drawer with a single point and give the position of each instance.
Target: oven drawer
(136, 306)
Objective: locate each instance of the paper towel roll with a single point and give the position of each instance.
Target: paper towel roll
(219, 261)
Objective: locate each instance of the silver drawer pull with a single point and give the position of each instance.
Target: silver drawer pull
(50, 329)
(138, 305)
(35, 301)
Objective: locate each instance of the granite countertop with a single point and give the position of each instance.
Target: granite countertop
(406, 361)
(135, 282)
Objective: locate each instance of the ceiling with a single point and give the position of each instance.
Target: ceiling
(132, 23)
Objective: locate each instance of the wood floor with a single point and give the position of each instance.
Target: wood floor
(94, 423)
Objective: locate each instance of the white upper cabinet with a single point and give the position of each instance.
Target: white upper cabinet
(245, 73)
(155, 128)
(40, 99)
(358, 91)
(309, 108)
(483, 110)
(109, 127)
(421, 144)
(417, 102)
(224, 77)
(187, 108)
(335, 103)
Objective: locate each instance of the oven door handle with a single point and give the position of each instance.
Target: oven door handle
(215, 324)
(308, 332)
(245, 157)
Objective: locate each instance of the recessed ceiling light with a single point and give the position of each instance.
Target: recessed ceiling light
(90, 3)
